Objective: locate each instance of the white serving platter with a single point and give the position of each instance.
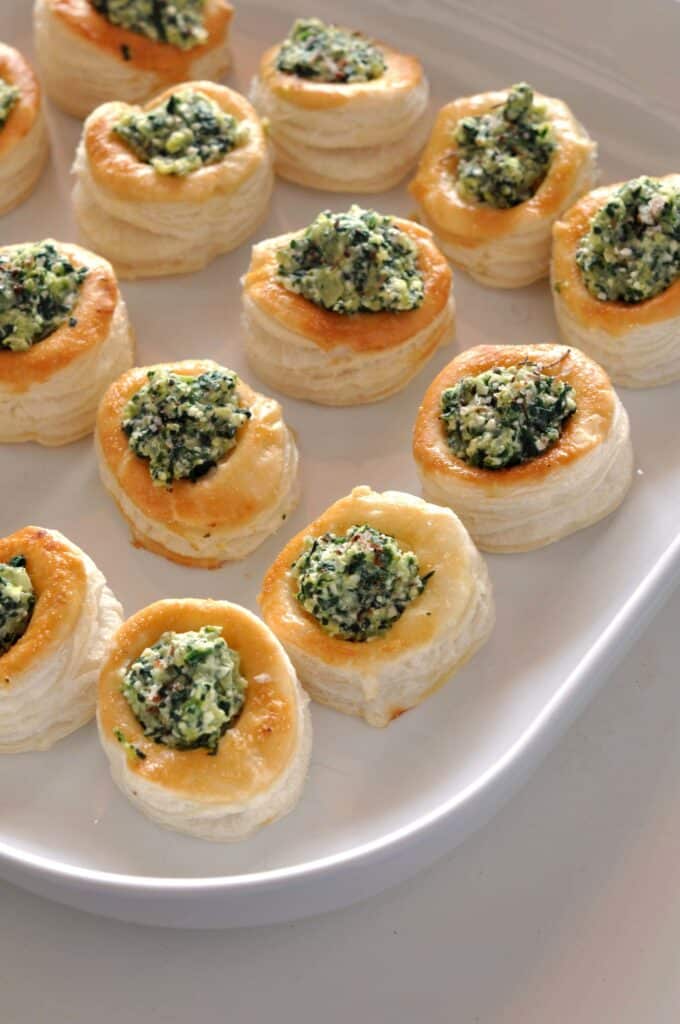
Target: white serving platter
(379, 805)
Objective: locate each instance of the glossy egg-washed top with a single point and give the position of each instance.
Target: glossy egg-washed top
(363, 331)
(581, 431)
(184, 132)
(258, 746)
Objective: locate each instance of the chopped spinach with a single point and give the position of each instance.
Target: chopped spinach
(326, 53)
(503, 156)
(353, 262)
(38, 289)
(631, 251)
(357, 584)
(186, 689)
(506, 415)
(184, 425)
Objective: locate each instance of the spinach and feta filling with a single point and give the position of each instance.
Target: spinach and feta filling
(16, 601)
(186, 689)
(39, 288)
(358, 261)
(356, 584)
(9, 94)
(506, 415)
(184, 425)
(185, 132)
(326, 53)
(631, 251)
(503, 156)
(178, 22)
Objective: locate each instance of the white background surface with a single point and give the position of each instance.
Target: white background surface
(564, 910)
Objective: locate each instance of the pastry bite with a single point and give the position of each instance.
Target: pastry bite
(64, 336)
(348, 310)
(202, 718)
(378, 602)
(202, 467)
(57, 618)
(24, 145)
(165, 188)
(527, 443)
(498, 171)
(616, 279)
(91, 51)
(345, 114)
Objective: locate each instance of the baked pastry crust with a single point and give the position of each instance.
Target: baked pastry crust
(225, 514)
(347, 136)
(261, 763)
(580, 479)
(24, 144)
(149, 224)
(48, 677)
(83, 62)
(505, 248)
(638, 343)
(50, 392)
(437, 633)
(309, 352)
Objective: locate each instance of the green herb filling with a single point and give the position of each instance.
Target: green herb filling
(327, 53)
(17, 601)
(186, 690)
(185, 132)
(38, 289)
(184, 425)
(506, 415)
(179, 22)
(503, 156)
(9, 94)
(358, 584)
(353, 262)
(631, 251)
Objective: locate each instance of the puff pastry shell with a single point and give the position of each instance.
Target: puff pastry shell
(637, 343)
(583, 477)
(149, 224)
(331, 358)
(223, 515)
(437, 633)
(48, 678)
(506, 248)
(261, 763)
(24, 145)
(86, 61)
(50, 392)
(345, 137)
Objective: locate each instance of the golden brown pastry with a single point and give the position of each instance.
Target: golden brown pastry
(88, 57)
(491, 211)
(616, 279)
(230, 752)
(527, 443)
(57, 618)
(300, 347)
(24, 145)
(351, 123)
(378, 602)
(202, 467)
(65, 337)
(166, 188)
